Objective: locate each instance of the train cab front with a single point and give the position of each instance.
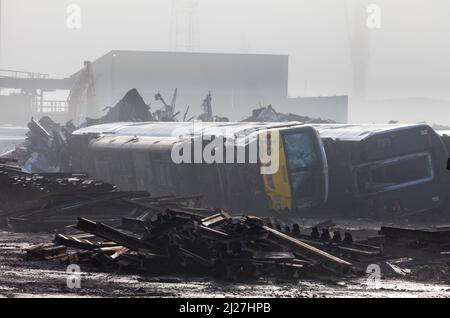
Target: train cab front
(301, 180)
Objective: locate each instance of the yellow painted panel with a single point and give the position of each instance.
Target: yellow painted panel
(276, 185)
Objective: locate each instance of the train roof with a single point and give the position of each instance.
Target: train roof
(170, 129)
(359, 132)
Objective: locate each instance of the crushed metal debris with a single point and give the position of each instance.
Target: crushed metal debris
(36, 202)
(245, 248)
(206, 241)
(133, 231)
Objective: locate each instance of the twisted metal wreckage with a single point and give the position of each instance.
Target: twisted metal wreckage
(132, 231)
(377, 170)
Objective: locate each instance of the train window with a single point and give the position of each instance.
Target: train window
(302, 159)
(300, 150)
(303, 188)
(395, 173)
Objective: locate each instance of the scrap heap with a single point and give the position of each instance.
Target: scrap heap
(136, 231)
(269, 114)
(167, 112)
(44, 149)
(133, 231)
(242, 248)
(48, 201)
(207, 242)
(207, 114)
(131, 108)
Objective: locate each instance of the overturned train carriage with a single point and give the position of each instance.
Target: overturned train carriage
(384, 170)
(141, 156)
(445, 137)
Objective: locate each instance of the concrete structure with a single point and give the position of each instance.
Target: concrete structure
(238, 82)
(26, 97)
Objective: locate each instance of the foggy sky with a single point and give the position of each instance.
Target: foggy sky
(409, 55)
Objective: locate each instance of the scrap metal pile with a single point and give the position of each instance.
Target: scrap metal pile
(242, 248)
(269, 114)
(209, 242)
(133, 231)
(131, 108)
(44, 149)
(417, 253)
(46, 146)
(49, 201)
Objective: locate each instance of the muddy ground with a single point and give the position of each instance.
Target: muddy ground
(24, 278)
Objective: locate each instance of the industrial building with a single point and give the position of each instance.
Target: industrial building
(23, 95)
(238, 83)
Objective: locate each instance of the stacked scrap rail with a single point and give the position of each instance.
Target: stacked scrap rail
(213, 243)
(207, 242)
(49, 201)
